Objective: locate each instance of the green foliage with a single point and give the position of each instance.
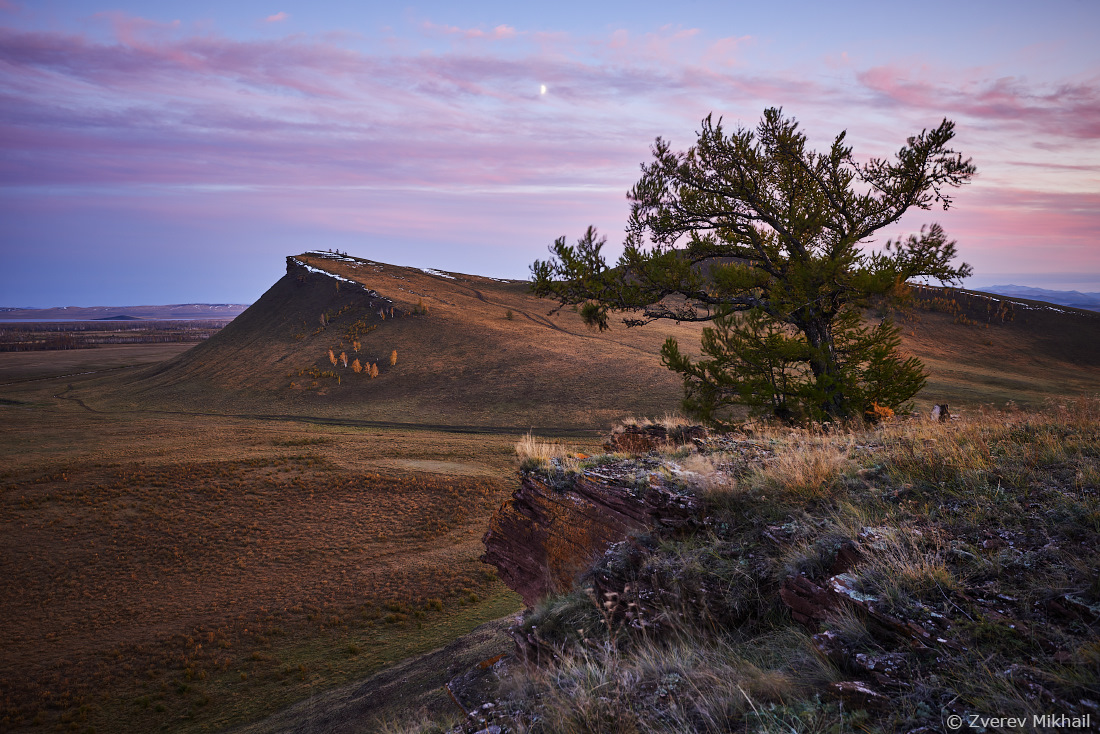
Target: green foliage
(763, 237)
(752, 360)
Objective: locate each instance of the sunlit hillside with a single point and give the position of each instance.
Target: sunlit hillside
(479, 352)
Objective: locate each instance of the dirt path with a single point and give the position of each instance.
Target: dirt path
(350, 422)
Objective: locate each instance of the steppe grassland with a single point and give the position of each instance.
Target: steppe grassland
(183, 573)
(985, 529)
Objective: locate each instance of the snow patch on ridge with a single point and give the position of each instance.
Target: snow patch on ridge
(1010, 300)
(310, 268)
(335, 256)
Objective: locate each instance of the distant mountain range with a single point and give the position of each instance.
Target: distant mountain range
(174, 312)
(1076, 299)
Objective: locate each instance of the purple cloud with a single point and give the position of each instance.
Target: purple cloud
(459, 146)
(1068, 110)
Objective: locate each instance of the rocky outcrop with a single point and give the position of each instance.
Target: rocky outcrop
(556, 524)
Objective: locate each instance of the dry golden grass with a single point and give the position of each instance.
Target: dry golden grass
(533, 452)
(667, 421)
(180, 573)
(979, 536)
(808, 466)
(540, 450)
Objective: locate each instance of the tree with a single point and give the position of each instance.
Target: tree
(766, 239)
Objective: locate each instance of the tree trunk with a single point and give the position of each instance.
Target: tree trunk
(823, 364)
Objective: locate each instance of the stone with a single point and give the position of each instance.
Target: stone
(859, 694)
(808, 602)
(553, 528)
(643, 439)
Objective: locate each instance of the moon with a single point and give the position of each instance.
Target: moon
(542, 89)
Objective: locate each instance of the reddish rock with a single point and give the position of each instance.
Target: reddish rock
(546, 535)
(643, 439)
(808, 602)
(831, 647)
(847, 558)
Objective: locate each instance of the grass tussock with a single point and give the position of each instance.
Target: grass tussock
(534, 453)
(668, 421)
(809, 467)
(679, 686)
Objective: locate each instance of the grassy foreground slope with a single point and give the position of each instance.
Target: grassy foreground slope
(914, 577)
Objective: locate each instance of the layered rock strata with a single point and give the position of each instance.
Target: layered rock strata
(556, 524)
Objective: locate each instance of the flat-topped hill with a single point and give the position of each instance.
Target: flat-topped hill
(484, 353)
(470, 351)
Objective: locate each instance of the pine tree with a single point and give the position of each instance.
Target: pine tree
(765, 238)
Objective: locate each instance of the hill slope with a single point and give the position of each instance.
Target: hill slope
(983, 349)
(483, 353)
(471, 351)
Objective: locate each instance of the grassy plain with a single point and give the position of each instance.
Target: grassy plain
(16, 367)
(185, 573)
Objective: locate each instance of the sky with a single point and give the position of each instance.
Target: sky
(173, 152)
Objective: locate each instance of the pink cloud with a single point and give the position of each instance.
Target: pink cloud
(725, 51)
(1070, 109)
(351, 141)
(838, 61)
(498, 33)
(277, 17)
(1015, 230)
